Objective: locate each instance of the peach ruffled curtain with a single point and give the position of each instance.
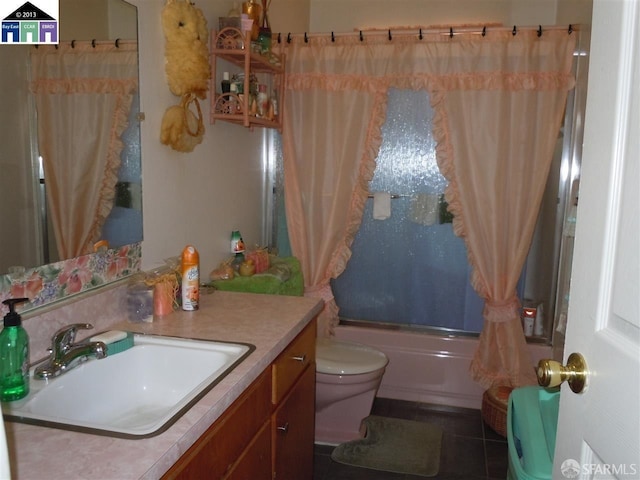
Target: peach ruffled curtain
(498, 102)
(83, 96)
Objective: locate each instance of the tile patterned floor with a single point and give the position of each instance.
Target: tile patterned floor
(470, 449)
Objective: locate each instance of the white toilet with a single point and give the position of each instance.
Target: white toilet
(347, 378)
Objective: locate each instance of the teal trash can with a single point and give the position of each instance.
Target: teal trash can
(532, 421)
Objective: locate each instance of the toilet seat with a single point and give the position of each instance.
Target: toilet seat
(347, 358)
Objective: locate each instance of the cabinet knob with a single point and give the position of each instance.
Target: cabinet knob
(284, 428)
(300, 358)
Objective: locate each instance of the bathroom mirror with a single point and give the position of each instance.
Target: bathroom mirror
(27, 238)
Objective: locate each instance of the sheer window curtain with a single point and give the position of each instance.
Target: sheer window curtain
(83, 97)
(498, 102)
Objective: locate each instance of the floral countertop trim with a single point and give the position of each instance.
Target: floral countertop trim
(49, 283)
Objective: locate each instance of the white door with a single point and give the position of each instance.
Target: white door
(5, 471)
(599, 430)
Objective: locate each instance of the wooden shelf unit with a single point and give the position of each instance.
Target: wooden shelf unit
(231, 45)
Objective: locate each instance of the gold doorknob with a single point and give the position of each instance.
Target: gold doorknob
(552, 373)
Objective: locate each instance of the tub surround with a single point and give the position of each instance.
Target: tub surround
(268, 322)
(425, 367)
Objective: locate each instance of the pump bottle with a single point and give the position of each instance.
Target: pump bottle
(14, 355)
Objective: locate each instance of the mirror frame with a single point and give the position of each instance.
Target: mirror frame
(47, 284)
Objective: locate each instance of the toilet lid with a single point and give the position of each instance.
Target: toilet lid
(346, 358)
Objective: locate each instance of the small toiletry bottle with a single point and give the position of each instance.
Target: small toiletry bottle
(234, 104)
(274, 105)
(263, 100)
(237, 244)
(237, 248)
(528, 319)
(226, 83)
(14, 355)
(190, 278)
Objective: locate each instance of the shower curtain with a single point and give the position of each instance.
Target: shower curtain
(83, 93)
(498, 100)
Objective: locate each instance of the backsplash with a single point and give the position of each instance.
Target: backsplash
(56, 281)
(101, 308)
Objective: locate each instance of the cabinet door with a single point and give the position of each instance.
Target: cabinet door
(255, 463)
(293, 430)
(214, 455)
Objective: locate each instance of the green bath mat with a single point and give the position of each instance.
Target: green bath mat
(394, 445)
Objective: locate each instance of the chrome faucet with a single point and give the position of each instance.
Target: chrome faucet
(65, 354)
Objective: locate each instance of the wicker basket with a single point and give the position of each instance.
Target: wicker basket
(494, 408)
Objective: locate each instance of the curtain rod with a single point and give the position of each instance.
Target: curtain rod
(393, 196)
(451, 32)
(117, 42)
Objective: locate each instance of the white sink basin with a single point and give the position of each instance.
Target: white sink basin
(133, 394)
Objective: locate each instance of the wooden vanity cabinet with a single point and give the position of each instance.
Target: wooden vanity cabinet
(293, 424)
(293, 431)
(255, 462)
(268, 432)
(224, 447)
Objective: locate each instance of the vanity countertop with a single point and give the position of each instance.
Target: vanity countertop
(266, 321)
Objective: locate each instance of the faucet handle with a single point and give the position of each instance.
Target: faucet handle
(65, 337)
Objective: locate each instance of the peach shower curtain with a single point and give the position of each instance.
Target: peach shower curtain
(83, 96)
(498, 100)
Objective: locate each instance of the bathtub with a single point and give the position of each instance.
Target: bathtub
(427, 367)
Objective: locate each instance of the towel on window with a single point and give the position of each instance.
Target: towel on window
(381, 205)
(424, 208)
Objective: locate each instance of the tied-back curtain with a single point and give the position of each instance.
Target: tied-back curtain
(498, 100)
(497, 164)
(83, 94)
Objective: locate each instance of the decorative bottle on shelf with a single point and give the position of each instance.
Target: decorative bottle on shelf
(14, 355)
(254, 12)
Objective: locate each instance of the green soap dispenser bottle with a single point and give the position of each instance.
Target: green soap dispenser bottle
(14, 355)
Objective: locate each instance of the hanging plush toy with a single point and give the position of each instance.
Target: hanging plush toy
(186, 51)
(182, 129)
(187, 69)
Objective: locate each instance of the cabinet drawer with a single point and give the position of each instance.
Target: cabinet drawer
(290, 364)
(215, 453)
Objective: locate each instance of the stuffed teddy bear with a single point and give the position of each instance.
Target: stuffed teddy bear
(186, 51)
(187, 69)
